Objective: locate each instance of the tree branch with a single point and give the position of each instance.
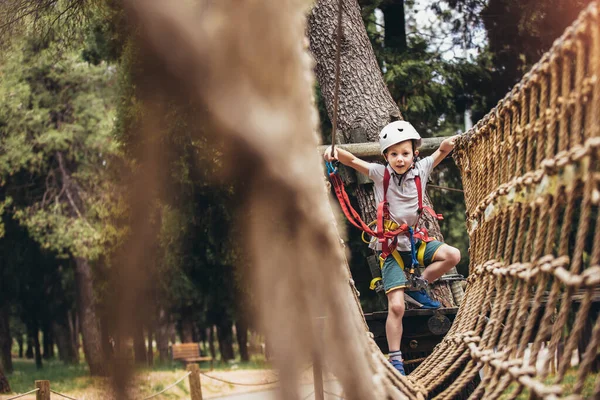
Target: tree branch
(66, 188)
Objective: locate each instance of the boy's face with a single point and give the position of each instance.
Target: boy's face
(400, 156)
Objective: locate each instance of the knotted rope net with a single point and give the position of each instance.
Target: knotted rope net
(530, 171)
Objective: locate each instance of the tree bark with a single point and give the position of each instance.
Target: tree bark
(89, 322)
(21, 344)
(241, 332)
(29, 351)
(365, 104)
(225, 337)
(139, 344)
(5, 341)
(34, 333)
(4, 385)
(48, 341)
(107, 343)
(149, 347)
(64, 342)
(187, 326)
(74, 330)
(211, 342)
(162, 335)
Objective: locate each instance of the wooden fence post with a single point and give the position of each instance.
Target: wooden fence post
(317, 360)
(195, 384)
(44, 390)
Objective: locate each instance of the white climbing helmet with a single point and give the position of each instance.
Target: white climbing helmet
(396, 132)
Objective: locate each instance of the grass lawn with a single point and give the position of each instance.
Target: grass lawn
(74, 380)
(567, 384)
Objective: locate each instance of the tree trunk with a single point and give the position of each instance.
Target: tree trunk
(241, 332)
(162, 335)
(364, 102)
(64, 342)
(394, 23)
(5, 341)
(48, 341)
(74, 331)
(4, 385)
(211, 342)
(29, 351)
(21, 344)
(107, 343)
(225, 337)
(187, 326)
(34, 333)
(139, 344)
(202, 334)
(150, 351)
(89, 322)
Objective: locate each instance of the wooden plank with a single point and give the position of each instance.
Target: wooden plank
(371, 149)
(411, 313)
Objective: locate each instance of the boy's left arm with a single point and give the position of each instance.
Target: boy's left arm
(445, 148)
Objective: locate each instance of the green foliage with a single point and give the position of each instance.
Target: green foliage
(56, 117)
(192, 211)
(518, 34)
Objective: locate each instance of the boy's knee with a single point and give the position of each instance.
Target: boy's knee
(454, 255)
(450, 254)
(397, 308)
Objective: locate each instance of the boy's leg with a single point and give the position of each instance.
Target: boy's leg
(394, 282)
(442, 261)
(393, 327)
(393, 324)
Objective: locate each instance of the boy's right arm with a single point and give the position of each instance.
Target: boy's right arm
(348, 159)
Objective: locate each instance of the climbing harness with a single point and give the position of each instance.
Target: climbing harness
(387, 231)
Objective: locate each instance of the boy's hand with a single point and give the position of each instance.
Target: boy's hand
(327, 154)
(448, 144)
(445, 147)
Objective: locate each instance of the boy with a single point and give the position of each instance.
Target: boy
(398, 142)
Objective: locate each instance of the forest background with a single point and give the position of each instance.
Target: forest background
(70, 140)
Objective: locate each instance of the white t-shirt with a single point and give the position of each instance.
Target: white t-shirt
(402, 196)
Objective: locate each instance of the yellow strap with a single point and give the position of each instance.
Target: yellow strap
(421, 253)
(388, 224)
(374, 282)
(396, 256)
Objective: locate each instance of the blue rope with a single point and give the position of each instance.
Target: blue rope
(331, 169)
(413, 253)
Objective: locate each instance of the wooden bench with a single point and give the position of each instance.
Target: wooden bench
(189, 353)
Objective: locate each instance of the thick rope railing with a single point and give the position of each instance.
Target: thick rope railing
(239, 383)
(23, 394)
(168, 387)
(531, 174)
(145, 398)
(62, 395)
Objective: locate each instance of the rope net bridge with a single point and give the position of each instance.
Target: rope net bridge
(530, 174)
(530, 170)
